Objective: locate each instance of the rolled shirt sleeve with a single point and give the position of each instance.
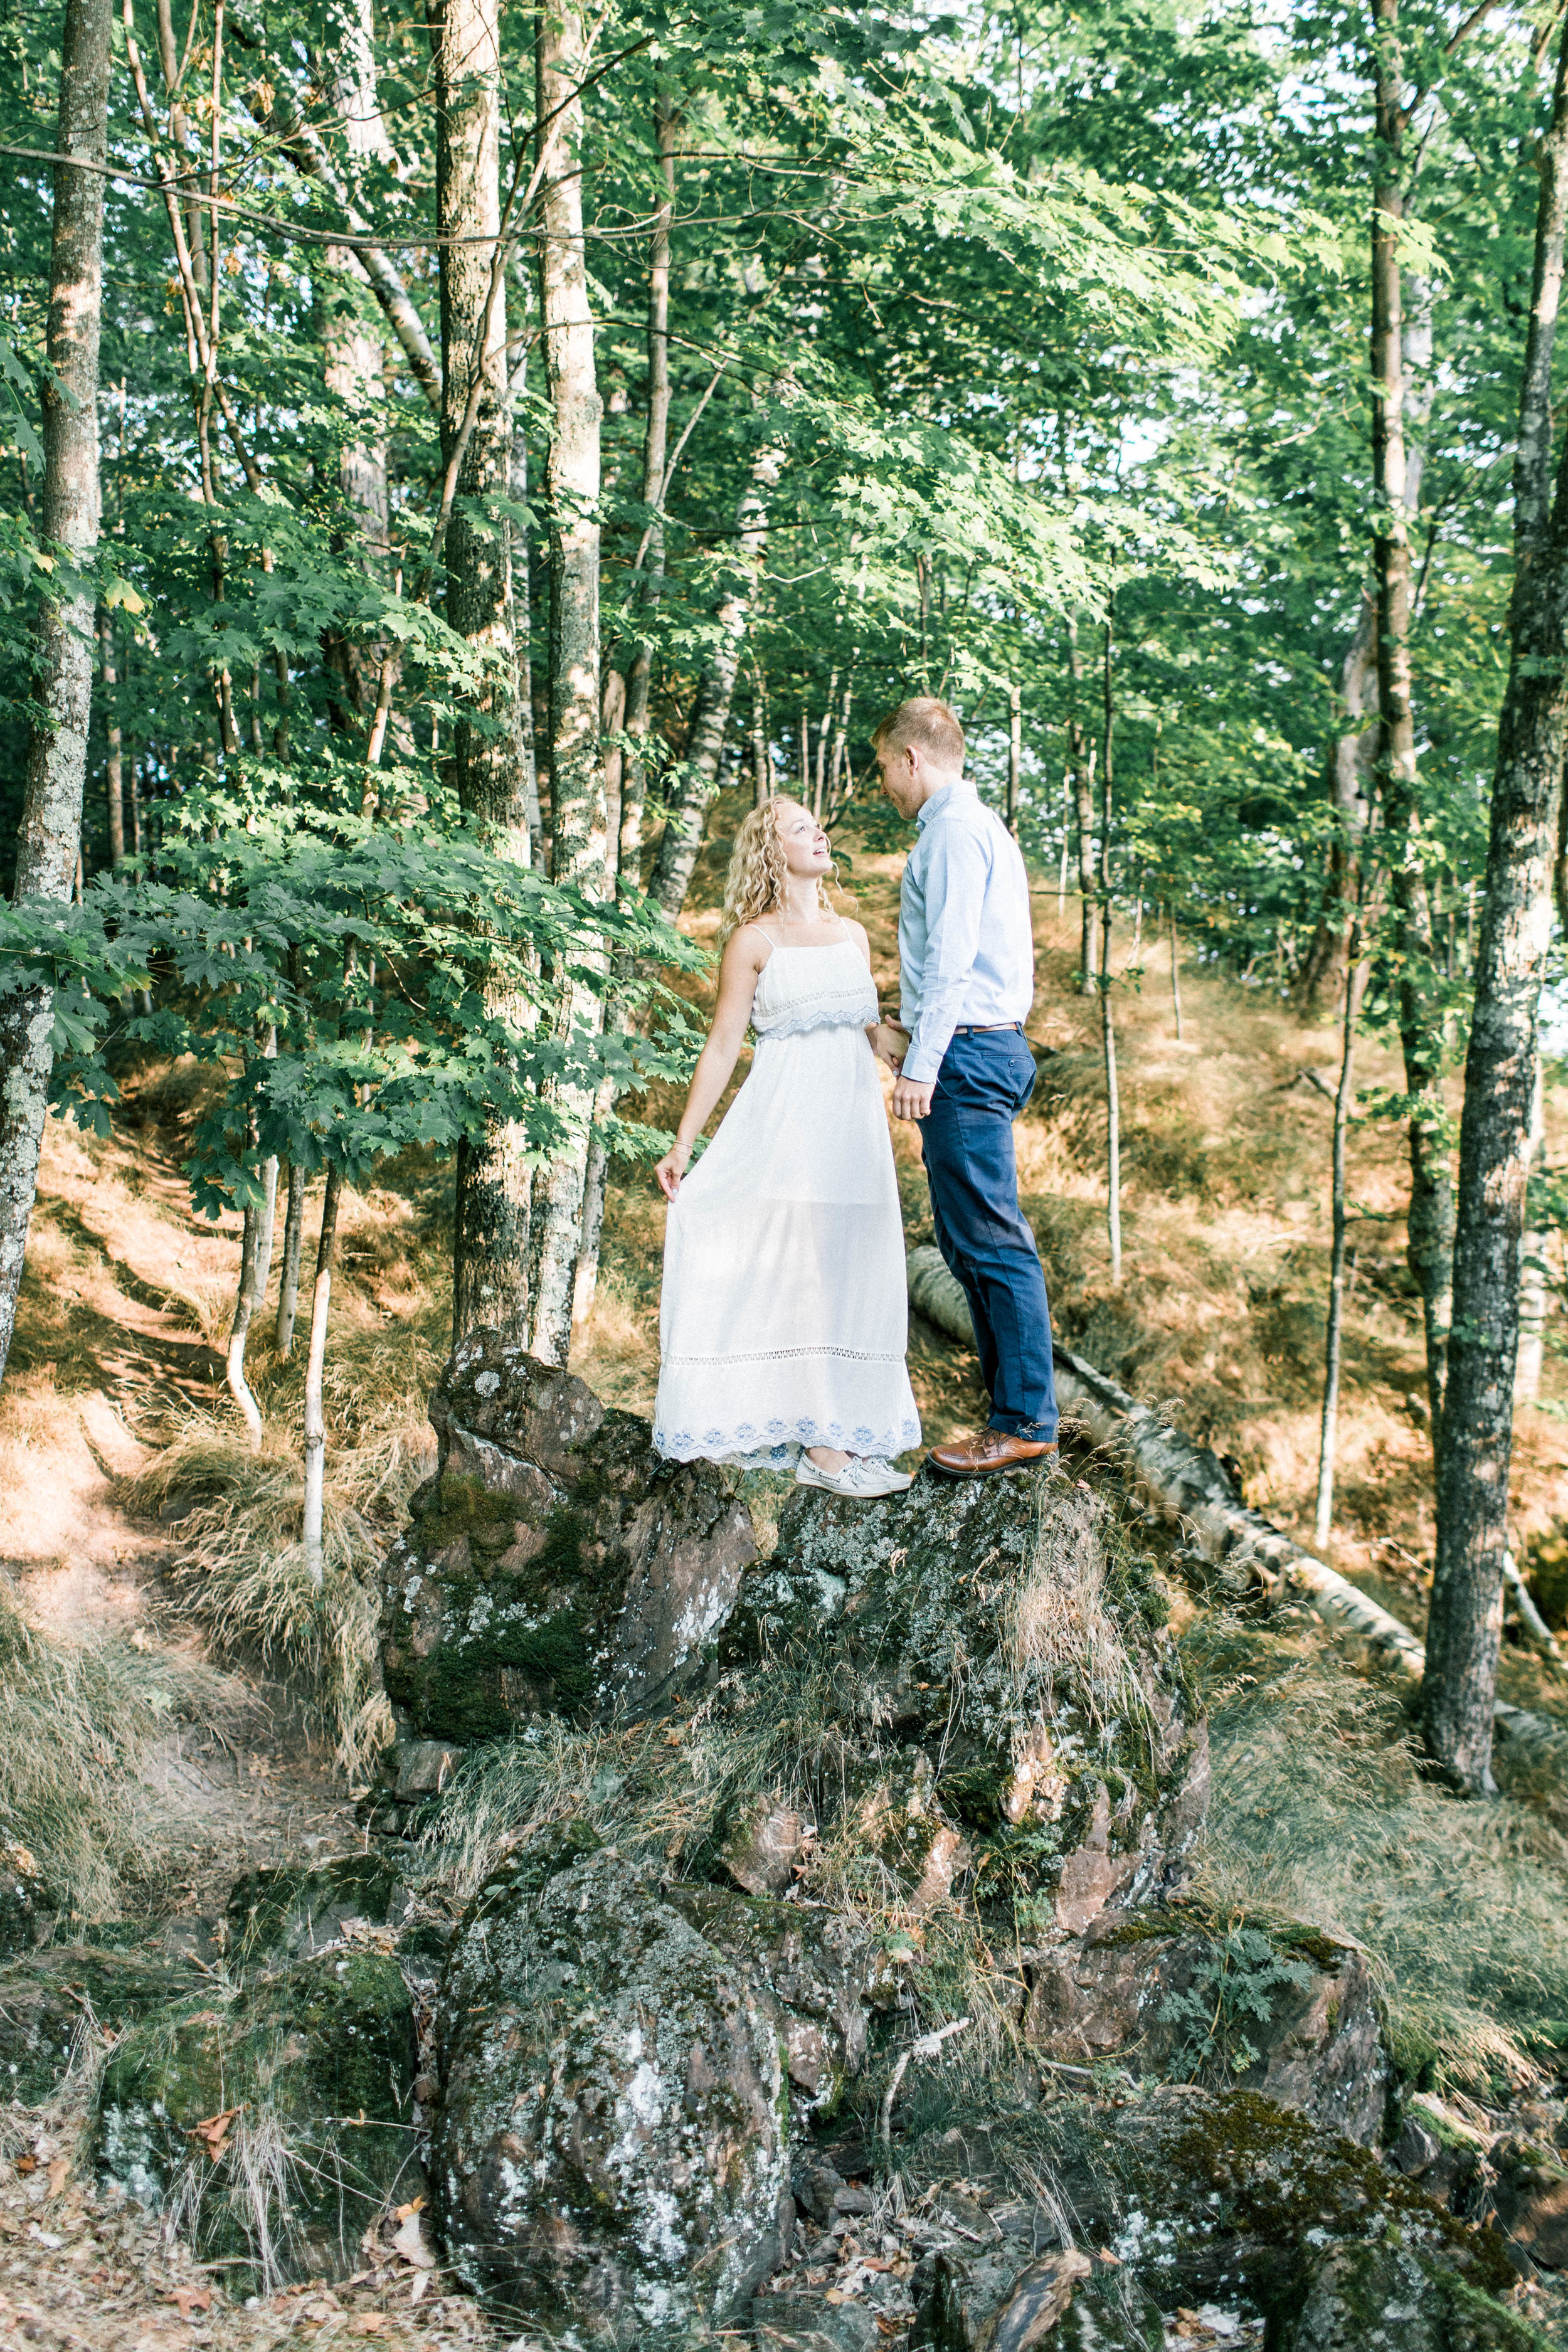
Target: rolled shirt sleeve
(956, 870)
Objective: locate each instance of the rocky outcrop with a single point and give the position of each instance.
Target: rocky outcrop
(1290, 2012)
(288, 1913)
(277, 2118)
(617, 2062)
(1182, 2200)
(556, 1564)
(1347, 2298)
(1215, 2199)
(990, 1676)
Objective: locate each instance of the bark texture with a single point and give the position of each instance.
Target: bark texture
(1465, 1626)
(577, 811)
(315, 1410)
(624, 768)
(1402, 400)
(491, 1271)
(49, 834)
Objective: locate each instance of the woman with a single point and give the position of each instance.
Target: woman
(784, 1322)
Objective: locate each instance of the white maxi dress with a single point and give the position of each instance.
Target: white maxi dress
(783, 1321)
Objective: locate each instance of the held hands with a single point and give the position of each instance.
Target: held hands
(673, 1168)
(892, 1042)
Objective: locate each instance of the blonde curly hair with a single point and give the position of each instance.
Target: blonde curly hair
(758, 877)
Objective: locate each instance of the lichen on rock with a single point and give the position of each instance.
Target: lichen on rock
(612, 2143)
(556, 1564)
(1007, 1714)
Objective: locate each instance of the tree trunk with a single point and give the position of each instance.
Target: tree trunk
(1080, 764)
(1533, 1294)
(1107, 1015)
(1014, 754)
(1464, 1625)
(115, 759)
(626, 773)
(577, 813)
(494, 1182)
(1175, 975)
(1328, 1426)
(682, 836)
(245, 1308)
(315, 1413)
(1402, 391)
(49, 834)
(288, 1278)
(353, 362)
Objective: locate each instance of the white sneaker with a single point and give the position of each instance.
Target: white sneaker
(863, 1479)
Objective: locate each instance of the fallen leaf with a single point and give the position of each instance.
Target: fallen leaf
(59, 2173)
(26, 2164)
(191, 2298)
(369, 2323)
(412, 2245)
(420, 2283)
(402, 2212)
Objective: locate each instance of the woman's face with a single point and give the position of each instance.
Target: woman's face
(802, 839)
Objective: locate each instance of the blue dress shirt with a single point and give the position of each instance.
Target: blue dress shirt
(967, 943)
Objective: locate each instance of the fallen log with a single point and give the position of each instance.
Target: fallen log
(1189, 1484)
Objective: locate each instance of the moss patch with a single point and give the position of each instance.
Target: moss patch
(315, 2067)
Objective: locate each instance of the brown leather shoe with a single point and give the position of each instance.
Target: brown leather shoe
(994, 1449)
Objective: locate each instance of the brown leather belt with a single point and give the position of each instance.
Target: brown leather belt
(987, 1028)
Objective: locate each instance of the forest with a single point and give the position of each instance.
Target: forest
(465, 1878)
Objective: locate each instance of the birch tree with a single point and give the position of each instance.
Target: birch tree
(1465, 1626)
(69, 514)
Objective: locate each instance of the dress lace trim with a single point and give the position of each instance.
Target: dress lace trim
(820, 1008)
(775, 1444)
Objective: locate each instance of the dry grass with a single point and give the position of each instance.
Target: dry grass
(75, 1722)
(241, 1573)
(1059, 1619)
(1318, 1813)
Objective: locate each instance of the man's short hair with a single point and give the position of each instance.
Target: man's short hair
(927, 722)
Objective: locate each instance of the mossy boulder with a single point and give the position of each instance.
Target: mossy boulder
(1215, 2199)
(1348, 2298)
(1003, 1710)
(1284, 2011)
(285, 1914)
(611, 2148)
(51, 1999)
(279, 2119)
(556, 1564)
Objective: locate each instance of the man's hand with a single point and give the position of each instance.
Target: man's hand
(911, 1100)
(892, 1044)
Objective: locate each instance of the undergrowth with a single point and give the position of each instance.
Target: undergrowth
(1318, 1813)
(241, 1574)
(75, 1723)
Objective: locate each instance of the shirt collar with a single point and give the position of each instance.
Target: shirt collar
(945, 798)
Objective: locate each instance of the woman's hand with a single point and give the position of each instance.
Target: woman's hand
(891, 1043)
(673, 1168)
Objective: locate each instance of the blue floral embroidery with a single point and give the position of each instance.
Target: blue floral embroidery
(777, 1446)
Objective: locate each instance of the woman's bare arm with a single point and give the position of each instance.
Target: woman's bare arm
(743, 960)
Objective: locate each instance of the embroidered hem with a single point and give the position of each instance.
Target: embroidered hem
(776, 1443)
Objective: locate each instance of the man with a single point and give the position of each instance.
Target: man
(967, 951)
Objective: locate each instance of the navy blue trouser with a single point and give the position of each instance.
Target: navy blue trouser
(985, 1081)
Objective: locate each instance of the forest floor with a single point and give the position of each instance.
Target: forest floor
(116, 1387)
